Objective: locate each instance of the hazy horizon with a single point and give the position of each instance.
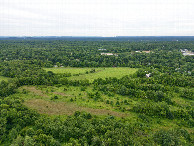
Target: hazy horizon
(97, 36)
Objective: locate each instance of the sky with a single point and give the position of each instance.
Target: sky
(97, 18)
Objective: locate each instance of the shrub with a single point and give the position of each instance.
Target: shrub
(171, 137)
(55, 97)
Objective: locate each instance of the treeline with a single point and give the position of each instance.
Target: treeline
(162, 55)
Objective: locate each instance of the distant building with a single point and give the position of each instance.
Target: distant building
(189, 72)
(148, 75)
(185, 52)
(142, 51)
(188, 54)
(146, 51)
(108, 54)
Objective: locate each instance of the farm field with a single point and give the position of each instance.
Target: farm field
(80, 73)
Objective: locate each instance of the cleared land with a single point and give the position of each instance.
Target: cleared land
(73, 98)
(53, 108)
(40, 99)
(99, 72)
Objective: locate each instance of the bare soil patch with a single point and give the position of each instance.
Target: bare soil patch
(61, 108)
(41, 93)
(35, 91)
(60, 93)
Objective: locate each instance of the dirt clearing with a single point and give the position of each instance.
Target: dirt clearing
(54, 108)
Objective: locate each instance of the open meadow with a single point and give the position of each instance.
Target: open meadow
(84, 73)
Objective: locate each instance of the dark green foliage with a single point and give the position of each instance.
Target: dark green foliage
(112, 103)
(87, 54)
(126, 102)
(144, 118)
(94, 96)
(187, 93)
(160, 109)
(171, 137)
(83, 88)
(93, 71)
(54, 98)
(117, 103)
(150, 99)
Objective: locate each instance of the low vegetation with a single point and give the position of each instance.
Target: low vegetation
(93, 73)
(92, 99)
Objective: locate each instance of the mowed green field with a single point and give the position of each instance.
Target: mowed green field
(99, 72)
(72, 70)
(4, 78)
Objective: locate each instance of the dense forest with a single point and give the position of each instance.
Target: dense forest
(154, 105)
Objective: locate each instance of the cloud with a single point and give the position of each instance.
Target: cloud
(96, 17)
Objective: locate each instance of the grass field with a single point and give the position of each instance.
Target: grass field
(74, 99)
(4, 78)
(99, 72)
(69, 101)
(60, 108)
(72, 70)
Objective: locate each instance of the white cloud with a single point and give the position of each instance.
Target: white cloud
(96, 17)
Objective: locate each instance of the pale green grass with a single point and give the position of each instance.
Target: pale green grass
(100, 72)
(40, 98)
(80, 98)
(4, 78)
(72, 70)
(106, 73)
